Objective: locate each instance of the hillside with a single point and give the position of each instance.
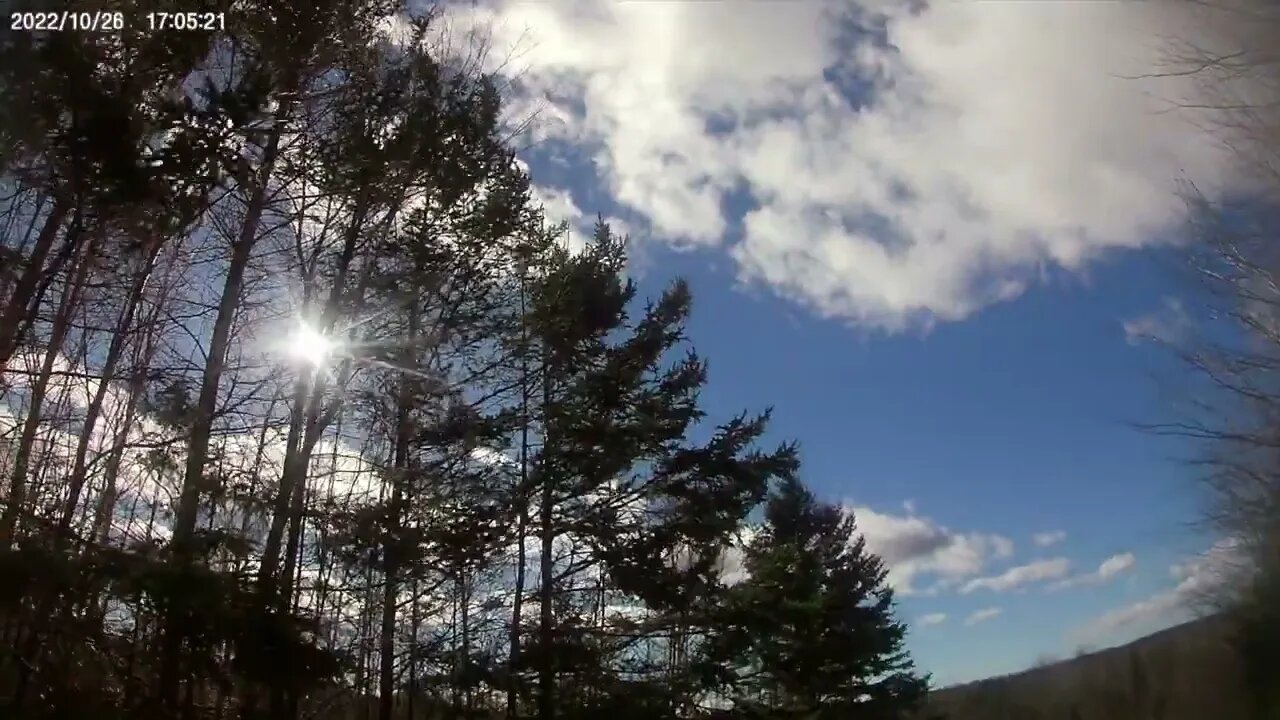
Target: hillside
(1187, 672)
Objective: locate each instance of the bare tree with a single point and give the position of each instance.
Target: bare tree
(1234, 254)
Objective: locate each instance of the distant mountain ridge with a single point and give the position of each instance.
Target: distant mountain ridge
(1187, 672)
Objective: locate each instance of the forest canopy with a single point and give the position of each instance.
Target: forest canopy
(307, 411)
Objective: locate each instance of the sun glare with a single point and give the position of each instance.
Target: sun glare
(311, 346)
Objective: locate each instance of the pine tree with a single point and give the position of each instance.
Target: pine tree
(810, 633)
(629, 515)
(235, 534)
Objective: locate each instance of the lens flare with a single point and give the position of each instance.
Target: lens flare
(311, 346)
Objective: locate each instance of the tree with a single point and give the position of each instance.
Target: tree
(198, 525)
(810, 633)
(1234, 257)
(618, 494)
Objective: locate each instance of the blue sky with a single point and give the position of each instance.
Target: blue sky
(1016, 422)
(934, 246)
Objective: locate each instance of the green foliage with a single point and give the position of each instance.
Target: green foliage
(226, 638)
(496, 390)
(810, 633)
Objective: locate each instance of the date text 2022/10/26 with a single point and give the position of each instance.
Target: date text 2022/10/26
(115, 21)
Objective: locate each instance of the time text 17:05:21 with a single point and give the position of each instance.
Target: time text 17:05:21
(199, 21)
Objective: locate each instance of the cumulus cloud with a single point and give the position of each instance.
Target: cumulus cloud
(915, 547)
(1196, 578)
(1109, 569)
(1167, 325)
(903, 163)
(558, 206)
(1020, 576)
(931, 619)
(732, 567)
(1049, 539)
(1115, 565)
(983, 615)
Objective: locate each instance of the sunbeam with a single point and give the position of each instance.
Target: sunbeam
(309, 345)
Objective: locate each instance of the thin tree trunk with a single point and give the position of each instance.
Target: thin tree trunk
(296, 510)
(464, 652)
(392, 548)
(115, 350)
(386, 647)
(281, 590)
(26, 442)
(111, 473)
(455, 689)
(522, 518)
(546, 630)
(19, 301)
(202, 427)
(7, 278)
(415, 624)
(137, 386)
(308, 397)
(280, 507)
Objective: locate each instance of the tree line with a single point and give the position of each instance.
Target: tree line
(309, 412)
(1231, 274)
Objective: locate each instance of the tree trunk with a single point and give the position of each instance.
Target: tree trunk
(464, 652)
(393, 547)
(415, 624)
(115, 351)
(280, 589)
(206, 408)
(29, 656)
(522, 519)
(22, 456)
(546, 630)
(7, 278)
(137, 385)
(284, 494)
(297, 518)
(18, 304)
(308, 396)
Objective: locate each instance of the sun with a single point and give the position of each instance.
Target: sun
(311, 346)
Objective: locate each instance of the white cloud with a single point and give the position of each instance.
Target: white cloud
(983, 615)
(1196, 578)
(1115, 565)
(1048, 539)
(1017, 577)
(732, 563)
(913, 179)
(558, 204)
(1168, 325)
(1001, 546)
(931, 619)
(1110, 568)
(912, 547)
(915, 547)
(558, 207)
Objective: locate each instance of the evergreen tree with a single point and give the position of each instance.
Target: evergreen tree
(629, 514)
(218, 530)
(810, 633)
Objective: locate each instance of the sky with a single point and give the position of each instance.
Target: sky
(935, 239)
